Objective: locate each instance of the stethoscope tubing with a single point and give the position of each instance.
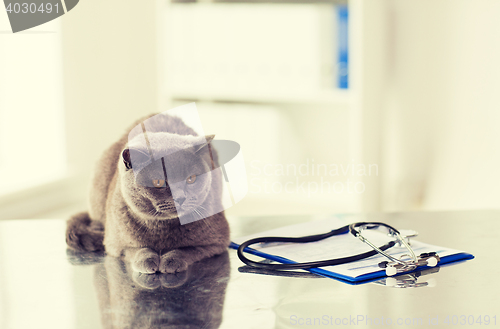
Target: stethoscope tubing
(312, 238)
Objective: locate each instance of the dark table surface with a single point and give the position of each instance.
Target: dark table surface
(42, 285)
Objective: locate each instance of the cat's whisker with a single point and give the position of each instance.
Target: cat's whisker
(203, 211)
(198, 208)
(209, 227)
(198, 213)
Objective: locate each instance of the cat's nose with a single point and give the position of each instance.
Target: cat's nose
(180, 200)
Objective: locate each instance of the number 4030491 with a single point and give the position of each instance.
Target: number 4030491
(470, 320)
(32, 8)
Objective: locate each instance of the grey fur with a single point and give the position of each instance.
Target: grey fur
(137, 222)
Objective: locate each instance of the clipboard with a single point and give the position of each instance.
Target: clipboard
(359, 272)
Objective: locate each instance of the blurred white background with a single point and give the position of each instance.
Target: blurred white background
(421, 110)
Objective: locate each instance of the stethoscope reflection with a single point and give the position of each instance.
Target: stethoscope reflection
(410, 280)
(190, 299)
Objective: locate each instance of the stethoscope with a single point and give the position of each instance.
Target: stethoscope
(407, 262)
(410, 280)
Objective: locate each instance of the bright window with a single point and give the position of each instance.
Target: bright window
(32, 148)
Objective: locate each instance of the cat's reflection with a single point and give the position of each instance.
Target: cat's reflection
(190, 299)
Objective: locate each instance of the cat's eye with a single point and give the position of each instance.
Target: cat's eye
(158, 183)
(191, 179)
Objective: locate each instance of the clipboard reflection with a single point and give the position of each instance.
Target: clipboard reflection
(409, 280)
(190, 299)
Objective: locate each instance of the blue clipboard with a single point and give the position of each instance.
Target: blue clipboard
(353, 280)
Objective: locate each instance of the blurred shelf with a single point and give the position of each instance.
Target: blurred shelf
(334, 97)
(216, 54)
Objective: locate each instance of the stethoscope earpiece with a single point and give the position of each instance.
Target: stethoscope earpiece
(391, 270)
(432, 262)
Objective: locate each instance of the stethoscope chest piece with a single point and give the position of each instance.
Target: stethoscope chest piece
(430, 259)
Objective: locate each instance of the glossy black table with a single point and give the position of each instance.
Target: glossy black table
(42, 285)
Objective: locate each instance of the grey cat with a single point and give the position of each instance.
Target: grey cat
(134, 209)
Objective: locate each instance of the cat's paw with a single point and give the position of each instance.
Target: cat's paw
(173, 262)
(83, 236)
(146, 261)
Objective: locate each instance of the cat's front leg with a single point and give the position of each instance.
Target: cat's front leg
(178, 260)
(143, 260)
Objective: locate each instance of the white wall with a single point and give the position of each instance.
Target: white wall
(32, 150)
(111, 72)
(465, 173)
(441, 142)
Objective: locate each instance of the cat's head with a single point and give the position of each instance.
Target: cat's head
(168, 176)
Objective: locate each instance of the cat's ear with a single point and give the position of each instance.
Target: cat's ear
(200, 147)
(134, 156)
